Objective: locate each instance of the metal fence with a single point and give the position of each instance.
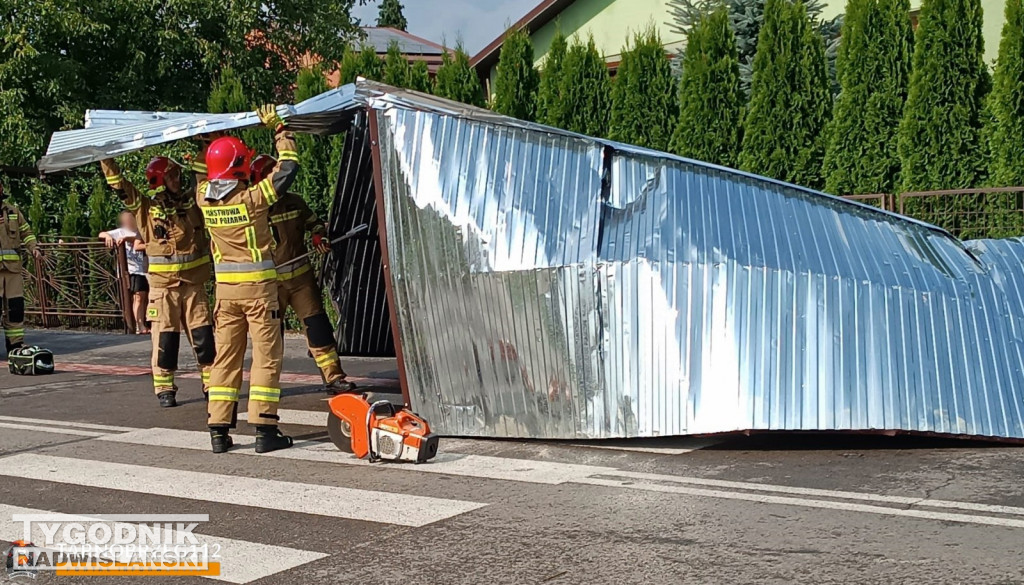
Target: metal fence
(79, 284)
(968, 214)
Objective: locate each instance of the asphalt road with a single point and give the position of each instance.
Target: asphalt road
(770, 509)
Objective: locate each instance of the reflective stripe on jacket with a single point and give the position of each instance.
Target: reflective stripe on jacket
(239, 224)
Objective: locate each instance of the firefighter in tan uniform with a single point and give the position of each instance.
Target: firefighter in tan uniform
(179, 267)
(290, 219)
(15, 233)
(237, 216)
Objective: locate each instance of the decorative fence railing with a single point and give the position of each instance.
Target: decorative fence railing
(78, 284)
(81, 283)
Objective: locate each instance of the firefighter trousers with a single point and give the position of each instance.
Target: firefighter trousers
(172, 311)
(303, 295)
(260, 318)
(12, 289)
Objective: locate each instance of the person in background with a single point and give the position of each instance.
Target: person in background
(178, 252)
(15, 235)
(127, 235)
(290, 219)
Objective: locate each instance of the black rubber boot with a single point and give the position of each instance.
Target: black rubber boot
(340, 386)
(269, 439)
(220, 439)
(167, 399)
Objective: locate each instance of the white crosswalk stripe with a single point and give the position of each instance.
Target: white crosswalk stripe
(250, 561)
(240, 561)
(320, 500)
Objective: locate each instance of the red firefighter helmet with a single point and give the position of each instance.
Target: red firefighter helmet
(228, 158)
(157, 170)
(261, 167)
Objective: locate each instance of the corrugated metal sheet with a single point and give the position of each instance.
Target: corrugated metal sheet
(551, 285)
(677, 297)
(105, 138)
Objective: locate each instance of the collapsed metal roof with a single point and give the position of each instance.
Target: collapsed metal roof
(545, 284)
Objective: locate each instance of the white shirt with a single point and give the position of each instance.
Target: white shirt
(136, 260)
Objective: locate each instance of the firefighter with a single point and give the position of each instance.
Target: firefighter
(290, 219)
(236, 214)
(15, 233)
(179, 266)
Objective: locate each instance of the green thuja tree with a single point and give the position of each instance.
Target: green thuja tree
(644, 106)
(38, 217)
(228, 96)
(74, 223)
(873, 69)
(1007, 102)
(396, 68)
(584, 91)
(710, 101)
(940, 134)
(551, 81)
(457, 80)
(315, 182)
(419, 77)
(103, 208)
(362, 63)
(516, 83)
(790, 99)
(390, 15)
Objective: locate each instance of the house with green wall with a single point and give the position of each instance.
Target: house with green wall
(613, 22)
(992, 26)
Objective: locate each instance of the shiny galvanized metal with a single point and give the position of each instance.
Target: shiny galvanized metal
(558, 287)
(551, 285)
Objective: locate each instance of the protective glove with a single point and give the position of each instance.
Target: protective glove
(268, 115)
(320, 244)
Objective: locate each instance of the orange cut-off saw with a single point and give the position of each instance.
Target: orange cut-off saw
(379, 431)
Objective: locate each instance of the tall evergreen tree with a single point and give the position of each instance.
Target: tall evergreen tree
(419, 77)
(584, 91)
(644, 106)
(73, 222)
(873, 67)
(515, 87)
(1007, 103)
(228, 96)
(747, 18)
(396, 68)
(790, 99)
(362, 63)
(390, 15)
(103, 208)
(551, 80)
(710, 102)
(940, 132)
(316, 181)
(457, 80)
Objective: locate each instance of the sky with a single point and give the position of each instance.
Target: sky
(475, 22)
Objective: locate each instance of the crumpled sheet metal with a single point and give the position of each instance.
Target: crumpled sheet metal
(534, 300)
(551, 285)
(111, 133)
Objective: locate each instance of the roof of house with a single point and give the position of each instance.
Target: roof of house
(381, 38)
(542, 14)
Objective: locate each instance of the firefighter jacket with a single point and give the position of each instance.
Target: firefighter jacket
(237, 217)
(14, 233)
(171, 226)
(290, 219)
